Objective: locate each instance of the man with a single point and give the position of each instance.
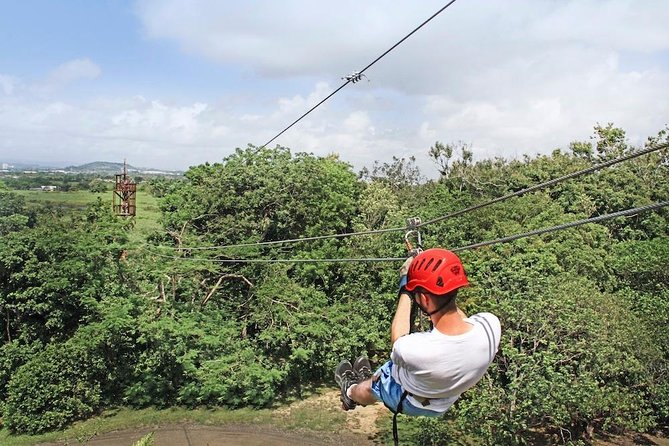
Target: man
(427, 372)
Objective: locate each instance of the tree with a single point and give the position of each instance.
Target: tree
(13, 213)
(98, 186)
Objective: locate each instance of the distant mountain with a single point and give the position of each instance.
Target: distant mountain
(99, 167)
(112, 168)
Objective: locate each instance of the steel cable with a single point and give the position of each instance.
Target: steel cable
(560, 227)
(295, 240)
(549, 183)
(536, 187)
(563, 226)
(348, 81)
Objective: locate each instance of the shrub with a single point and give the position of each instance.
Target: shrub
(12, 356)
(57, 386)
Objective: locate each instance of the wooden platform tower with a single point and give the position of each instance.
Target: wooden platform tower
(125, 194)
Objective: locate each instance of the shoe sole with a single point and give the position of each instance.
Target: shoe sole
(339, 371)
(360, 362)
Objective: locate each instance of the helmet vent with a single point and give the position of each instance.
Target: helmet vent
(429, 263)
(455, 269)
(440, 281)
(436, 265)
(421, 264)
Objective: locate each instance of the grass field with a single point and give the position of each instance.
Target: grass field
(146, 220)
(75, 200)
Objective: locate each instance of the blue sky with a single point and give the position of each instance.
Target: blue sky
(174, 83)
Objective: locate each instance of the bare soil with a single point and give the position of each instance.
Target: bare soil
(360, 429)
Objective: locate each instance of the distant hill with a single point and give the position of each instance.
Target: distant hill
(100, 166)
(112, 168)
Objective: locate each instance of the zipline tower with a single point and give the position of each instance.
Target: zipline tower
(125, 194)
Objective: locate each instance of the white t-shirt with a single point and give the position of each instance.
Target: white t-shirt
(440, 367)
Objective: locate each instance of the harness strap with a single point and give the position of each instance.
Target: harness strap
(424, 401)
(396, 439)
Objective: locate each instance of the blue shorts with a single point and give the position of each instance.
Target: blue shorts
(387, 390)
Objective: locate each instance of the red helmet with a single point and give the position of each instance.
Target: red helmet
(438, 271)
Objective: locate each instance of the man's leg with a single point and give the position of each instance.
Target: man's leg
(362, 393)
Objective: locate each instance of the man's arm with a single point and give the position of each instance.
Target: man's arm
(401, 322)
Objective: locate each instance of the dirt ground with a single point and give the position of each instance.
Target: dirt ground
(361, 421)
(361, 429)
(198, 435)
(635, 439)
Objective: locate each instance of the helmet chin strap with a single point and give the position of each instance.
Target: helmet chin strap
(437, 310)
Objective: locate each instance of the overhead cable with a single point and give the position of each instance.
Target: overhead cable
(548, 183)
(536, 187)
(560, 227)
(358, 74)
(295, 240)
(343, 260)
(572, 224)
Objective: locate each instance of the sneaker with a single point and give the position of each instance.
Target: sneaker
(345, 377)
(362, 368)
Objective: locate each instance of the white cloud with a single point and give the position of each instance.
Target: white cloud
(301, 104)
(333, 39)
(155, 118)
(8, 84)
(509, 77)
(72, 71)
(625, 25)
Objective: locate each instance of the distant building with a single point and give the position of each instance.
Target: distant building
(48, 188)
(6, 166)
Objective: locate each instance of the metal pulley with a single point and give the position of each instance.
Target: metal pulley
(354, 77)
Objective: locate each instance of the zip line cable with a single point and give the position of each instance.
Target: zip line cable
(350, 79)
(343, 260)
(548, 183)
(295, 240)
(510, 238)
(536, 187)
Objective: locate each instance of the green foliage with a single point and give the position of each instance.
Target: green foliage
(51, 277)
(13, 213)
(66, 182)
(583, 311)
(68, 389)
(99, 186)
(585, 356)
(12, 356)
(160, 186)
(146, 440)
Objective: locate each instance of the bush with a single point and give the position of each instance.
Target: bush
(57, 386)
(12, 356)
(234, 381)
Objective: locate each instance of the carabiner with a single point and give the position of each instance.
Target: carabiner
(412, 226)
(413, 252)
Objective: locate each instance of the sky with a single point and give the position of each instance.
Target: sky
(174, 83)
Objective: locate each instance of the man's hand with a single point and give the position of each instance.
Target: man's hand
(401, 324)
(404, 270)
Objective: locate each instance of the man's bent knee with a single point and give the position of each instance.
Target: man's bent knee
(362, 393)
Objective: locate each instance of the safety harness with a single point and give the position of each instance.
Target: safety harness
(396, 438)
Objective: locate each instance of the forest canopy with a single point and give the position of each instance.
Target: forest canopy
(101, 320)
